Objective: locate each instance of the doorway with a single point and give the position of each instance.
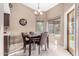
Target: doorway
(71, 32)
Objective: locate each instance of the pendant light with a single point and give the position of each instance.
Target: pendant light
(38, 11)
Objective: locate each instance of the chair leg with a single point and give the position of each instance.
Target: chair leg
(39, 49)
(45, 47)
(29, 49)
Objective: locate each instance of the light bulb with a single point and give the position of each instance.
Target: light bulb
(41, 13)
(35, 12)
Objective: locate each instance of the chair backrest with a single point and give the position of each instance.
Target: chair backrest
(43, 38)
(23, 36)
(32, 33)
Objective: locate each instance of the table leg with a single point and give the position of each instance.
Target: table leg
(29, 49)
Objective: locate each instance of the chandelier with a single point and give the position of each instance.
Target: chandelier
(38, 11)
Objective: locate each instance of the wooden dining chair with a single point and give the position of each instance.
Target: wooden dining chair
(25, 41)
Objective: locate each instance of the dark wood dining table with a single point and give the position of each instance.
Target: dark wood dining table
(33, 38)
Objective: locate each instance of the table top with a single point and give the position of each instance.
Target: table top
(33, 35)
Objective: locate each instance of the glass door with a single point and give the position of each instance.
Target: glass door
(54, 30)
(71, 32)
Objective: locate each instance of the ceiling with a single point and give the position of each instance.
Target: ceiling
(42, 6)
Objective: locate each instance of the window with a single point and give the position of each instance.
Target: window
(40, 26)
(50, 28)
(54, 27)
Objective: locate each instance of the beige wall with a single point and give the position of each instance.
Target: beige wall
(77, 28)
(59, 10)
(67, 6)
(16, 13)
(20, 11)
(55, 11)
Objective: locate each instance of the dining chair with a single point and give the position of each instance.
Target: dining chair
(25, 41)
(42, 41)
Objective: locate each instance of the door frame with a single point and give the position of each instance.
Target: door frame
(68, 32)
(65, 26)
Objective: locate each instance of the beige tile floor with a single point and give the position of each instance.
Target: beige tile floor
(54, 50)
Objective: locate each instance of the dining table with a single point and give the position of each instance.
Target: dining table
(33, 38)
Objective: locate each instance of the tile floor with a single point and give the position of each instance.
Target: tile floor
(54, 50)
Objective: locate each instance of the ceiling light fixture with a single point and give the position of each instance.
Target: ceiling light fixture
(38, 11)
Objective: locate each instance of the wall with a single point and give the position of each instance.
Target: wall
(77, 28)
(60, 10)
(67, 6)
(6, 8)
(57, 11)
(20, 11)
(17, 12)
(1, 29)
